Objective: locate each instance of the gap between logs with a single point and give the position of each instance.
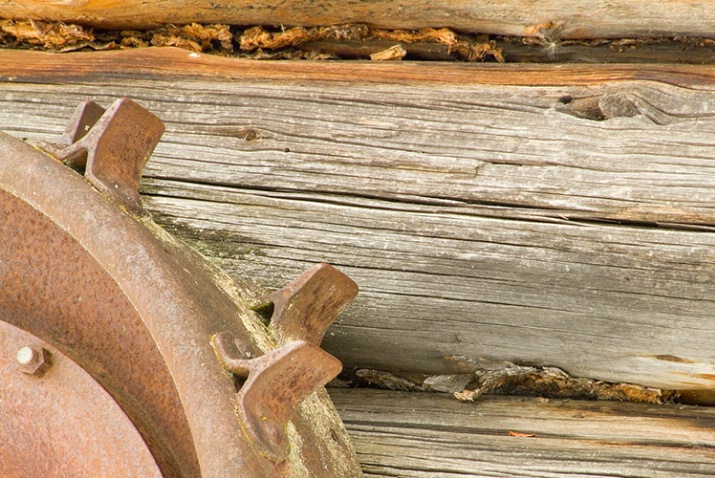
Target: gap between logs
(357, 41)
(508, 379)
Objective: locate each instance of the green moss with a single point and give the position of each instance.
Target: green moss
(212, 244)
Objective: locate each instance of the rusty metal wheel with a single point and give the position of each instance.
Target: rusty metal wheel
(108, 363)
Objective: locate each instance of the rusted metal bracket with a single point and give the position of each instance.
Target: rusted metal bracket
(278, 382)
(113, 146)
(305, 308)
(99, 294)
(275, 385)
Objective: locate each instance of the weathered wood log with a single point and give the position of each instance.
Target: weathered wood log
(556, 19)
(428, 435)
(173, 64)
(566, 223)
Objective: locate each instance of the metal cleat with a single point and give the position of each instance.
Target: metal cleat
(127, 314)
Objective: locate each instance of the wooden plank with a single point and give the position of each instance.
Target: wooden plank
(428, 435)
(173, 64)
(558, 18)
(484, 220)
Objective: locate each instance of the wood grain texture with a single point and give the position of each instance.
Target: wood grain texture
(176, 65)
(565, 19)
(413, 435)
(569, 223)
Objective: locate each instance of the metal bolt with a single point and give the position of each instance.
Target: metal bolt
(26, 355)
(34, 360)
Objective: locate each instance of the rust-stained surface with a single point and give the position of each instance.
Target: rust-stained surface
(113, 146)
(54, 289)
(136, 309)
(305, 308)
(275, 386)
(47, 418)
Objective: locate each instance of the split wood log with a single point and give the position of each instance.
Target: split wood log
(421, 435)
(552, 18)
(546, 215)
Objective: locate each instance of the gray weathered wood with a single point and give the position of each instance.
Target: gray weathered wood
(427, 435)
(558, 18)
(569, 225)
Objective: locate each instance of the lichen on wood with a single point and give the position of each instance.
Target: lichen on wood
(61, 37)
(258, 41)
(359, 41)
(200, 38)
(47, 35)
(552, 382)
(467, 48)
(511, 379)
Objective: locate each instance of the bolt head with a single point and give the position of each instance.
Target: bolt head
(26, 355)
(34, 360)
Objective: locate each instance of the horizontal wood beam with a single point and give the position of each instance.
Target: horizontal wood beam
(174, 64)
(421, 435)
(549, 215)
(552, 18)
